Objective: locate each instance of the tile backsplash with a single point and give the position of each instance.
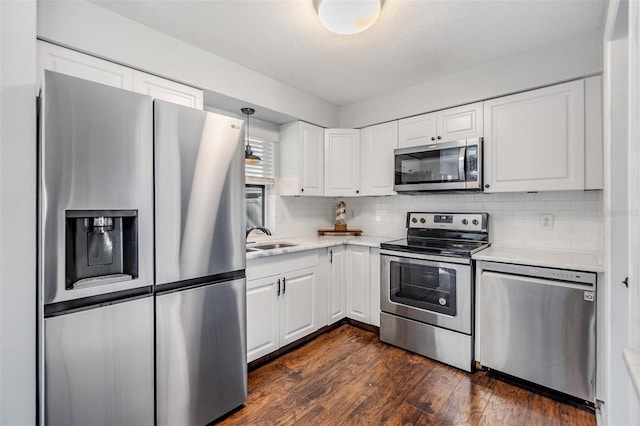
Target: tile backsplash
(514, 217)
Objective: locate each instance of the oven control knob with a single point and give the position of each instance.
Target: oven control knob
(442, 301)
(414, 220)
(475, 221)
(465, 221)
(422, 220)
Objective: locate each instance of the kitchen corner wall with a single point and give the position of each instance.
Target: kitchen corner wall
(514, 217)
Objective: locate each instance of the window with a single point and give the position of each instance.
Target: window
(258, 177)
(254, 195)
(262, 173)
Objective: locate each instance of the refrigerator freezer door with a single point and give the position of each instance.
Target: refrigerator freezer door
(99, 366)
(539, 330)
(96, 154)
(199, 176)
(201, 349)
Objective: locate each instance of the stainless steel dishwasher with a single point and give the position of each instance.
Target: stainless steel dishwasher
(538, 324)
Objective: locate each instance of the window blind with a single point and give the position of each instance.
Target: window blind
(263, 173)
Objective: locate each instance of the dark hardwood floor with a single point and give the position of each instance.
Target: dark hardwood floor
(348, 377)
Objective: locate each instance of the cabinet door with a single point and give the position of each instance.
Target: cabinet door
(311, 145)
(374, 279)
(167, 90)
(342, 162)
(418, 130)
(297, 305)
(87, 67)
(358, 286)
(336, 283)
(376, 159)
(534, 141)
(462, 122)
(263, 316)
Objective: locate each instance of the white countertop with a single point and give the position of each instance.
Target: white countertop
(552, 258)
(312, 242)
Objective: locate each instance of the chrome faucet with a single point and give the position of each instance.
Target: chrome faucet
(261, 228)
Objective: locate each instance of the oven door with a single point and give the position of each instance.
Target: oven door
(428, 289)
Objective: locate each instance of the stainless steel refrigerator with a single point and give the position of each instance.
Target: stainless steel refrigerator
(116, 346)
(95, 260)
(200, 260)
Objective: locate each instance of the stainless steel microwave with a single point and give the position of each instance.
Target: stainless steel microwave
(446, 166)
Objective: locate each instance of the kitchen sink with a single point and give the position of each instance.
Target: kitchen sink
(273, 246)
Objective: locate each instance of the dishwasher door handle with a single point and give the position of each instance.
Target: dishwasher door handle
(534, 280)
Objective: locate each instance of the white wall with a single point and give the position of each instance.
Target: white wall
(17, 212)
(523, 71)
(621, 404)
(514, 217)
(89, 28)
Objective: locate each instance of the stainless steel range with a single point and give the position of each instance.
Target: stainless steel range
(427, 285)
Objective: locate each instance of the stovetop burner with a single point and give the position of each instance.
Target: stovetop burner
(435, 246)
(452, 234)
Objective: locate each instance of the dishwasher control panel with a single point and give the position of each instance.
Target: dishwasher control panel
(541, 272)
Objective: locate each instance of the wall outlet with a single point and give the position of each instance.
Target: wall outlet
(546, 221)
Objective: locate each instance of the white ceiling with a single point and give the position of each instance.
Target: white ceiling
(413, 41)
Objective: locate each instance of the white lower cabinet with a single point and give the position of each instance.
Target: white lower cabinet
(358, 286)
(290, 296)
(282, 301)
(336, 280)
(353, 282)
(297, 305)
(374, 280)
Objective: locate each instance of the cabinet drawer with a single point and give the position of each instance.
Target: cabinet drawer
(273, 265)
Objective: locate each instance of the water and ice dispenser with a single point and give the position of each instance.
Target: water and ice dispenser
(101, 247)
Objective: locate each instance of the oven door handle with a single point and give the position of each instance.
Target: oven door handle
(462, 156)
(425, 257)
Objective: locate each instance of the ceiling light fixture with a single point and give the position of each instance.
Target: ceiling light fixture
(348, 16)
(249, 158)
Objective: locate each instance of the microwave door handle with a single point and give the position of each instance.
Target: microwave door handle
(461, 162)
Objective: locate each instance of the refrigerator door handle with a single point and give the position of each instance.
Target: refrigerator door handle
(278, 294)
(284, 286)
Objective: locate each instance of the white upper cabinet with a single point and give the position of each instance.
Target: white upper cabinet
(451, 124)
(76, 64)
(376, 159)
(535, 141)
(301, 168)
(167, 90)
(87, 67)
(342, 162)
(418, 130)
(593, 134)
(458, 123)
